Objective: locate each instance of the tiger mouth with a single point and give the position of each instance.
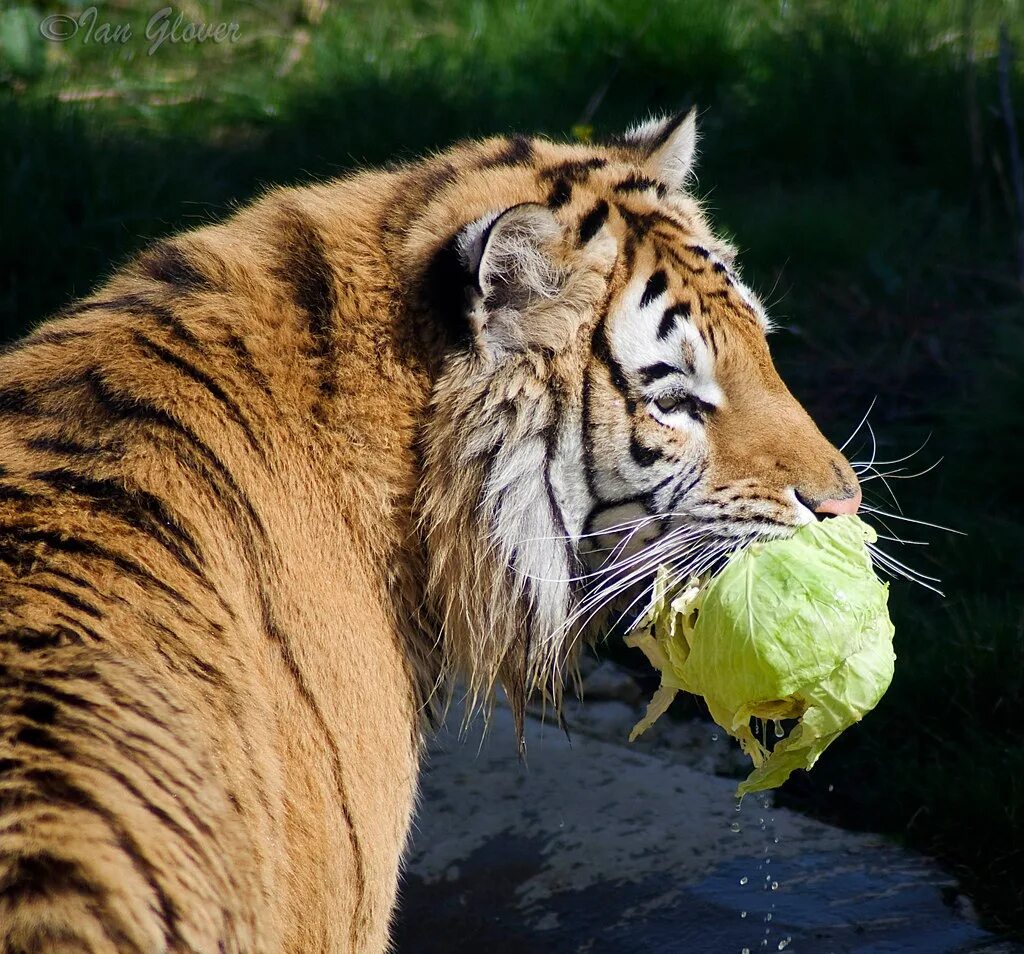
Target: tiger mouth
(616, 590)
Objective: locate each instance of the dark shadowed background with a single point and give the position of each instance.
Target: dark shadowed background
(860, 153)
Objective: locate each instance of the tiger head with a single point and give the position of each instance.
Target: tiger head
(611, 406)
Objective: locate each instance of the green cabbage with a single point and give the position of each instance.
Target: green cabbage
(790, 629)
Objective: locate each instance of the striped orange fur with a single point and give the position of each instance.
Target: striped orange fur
(278, 483)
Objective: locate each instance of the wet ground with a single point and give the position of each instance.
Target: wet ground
(598, 847)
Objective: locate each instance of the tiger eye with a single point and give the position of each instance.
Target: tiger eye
(669, 403)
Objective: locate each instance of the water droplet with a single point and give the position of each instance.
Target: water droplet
(784, 943)
(744, 879)
(775, 840)
(743, 914)
(745, 950)
(775, 886)
(768, 916)
(739, 805)
(735, 826)
(831, 788)
(714, 736)
(779, 730)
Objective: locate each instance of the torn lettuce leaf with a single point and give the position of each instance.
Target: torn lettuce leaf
(789, 629)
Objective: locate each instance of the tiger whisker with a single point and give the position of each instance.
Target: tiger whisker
(618, 566)
(608, 596)
(647, 518)
(923, 523)
(863, 421)
(896, 460)
(653, 559)
(881, 476)
(910, 543)
(899, 475)
(894, 568)
(891, 559)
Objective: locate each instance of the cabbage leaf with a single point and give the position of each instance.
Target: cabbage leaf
(789, 629)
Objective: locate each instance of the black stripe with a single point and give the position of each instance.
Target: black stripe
(274, 634)
(65, 596)
(168, 263)
(685, 487)
(29, 639)
(247, 362)
(138, 508)
(586, 425)
(643, 456)
(304, 268)
(639, 225)
(560, 194)
(406, 200)
(602, 351)
(21, 537)
(53, 333)
(174, 325)
(141, 410)
(433, 180)
(683, 262)
(106, 721)
(188, 369)
(637, 183)
(16, 400)
(593, 221)
(40, 711)
(35, 737)
(63, 447)
(710, 339)
(655, 288)
(647, 498)
(550, 450)
(16, 494)
(719, 267)
(587, 420)
(659, 369)
(78, 632)
(699, 250)
(41, 739)
(518, 151)
(109, 727)
(130, 303)
(668, 320)
(575, 170)
(41, 875)
(56, 787)
(143, 306)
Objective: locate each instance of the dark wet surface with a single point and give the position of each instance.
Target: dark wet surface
(598, 849)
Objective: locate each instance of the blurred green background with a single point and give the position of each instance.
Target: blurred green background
(859, 152)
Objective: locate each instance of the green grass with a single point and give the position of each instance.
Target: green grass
(836, 152)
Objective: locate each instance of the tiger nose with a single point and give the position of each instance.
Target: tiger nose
(843, 505)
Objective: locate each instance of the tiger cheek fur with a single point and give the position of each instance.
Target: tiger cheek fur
(280, 483)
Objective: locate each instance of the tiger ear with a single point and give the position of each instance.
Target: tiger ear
(511, 258)
(667, 146)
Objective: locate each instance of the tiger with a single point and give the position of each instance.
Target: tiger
(284, 481)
